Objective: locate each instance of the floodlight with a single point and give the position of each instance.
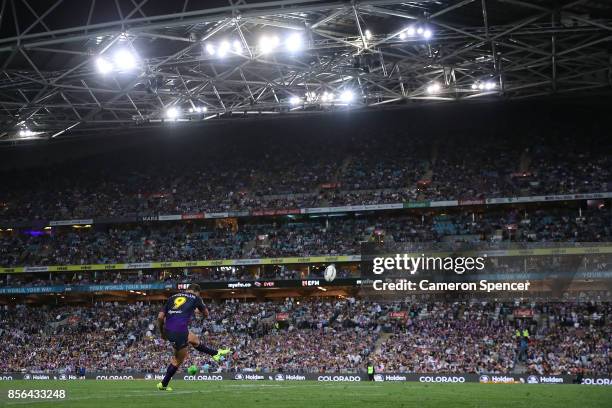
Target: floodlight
(346, 96)
(294, 100)
(224, 48)
(124, 60)
(267, 44)
(310, 96)
(172, 113)
(25, 133)
(294, 42)
(420, 30)
(474, 86)
(210, 49)
(490, 85)
(402, 35)
(103, 65)
(410, 30)
(368, 34)
(237, 47)
(433, 88)
(327, 97)
(427, 34)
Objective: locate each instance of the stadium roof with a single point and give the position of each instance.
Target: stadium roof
(79, 67)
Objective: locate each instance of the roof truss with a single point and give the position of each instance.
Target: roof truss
(49, 82)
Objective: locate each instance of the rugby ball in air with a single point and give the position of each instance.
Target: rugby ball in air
(330, 273)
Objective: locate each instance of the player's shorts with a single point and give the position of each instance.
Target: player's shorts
(179, 339)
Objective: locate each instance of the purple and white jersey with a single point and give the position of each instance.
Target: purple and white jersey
(179, 309)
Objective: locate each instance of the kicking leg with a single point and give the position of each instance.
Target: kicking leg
(200, 346)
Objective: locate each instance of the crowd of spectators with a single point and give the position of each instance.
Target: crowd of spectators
(574, 336)
(181, 241)
(320, 167)
(451, 338)
(314, 335)
(241, 175)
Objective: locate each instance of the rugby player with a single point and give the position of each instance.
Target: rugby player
(173, 321)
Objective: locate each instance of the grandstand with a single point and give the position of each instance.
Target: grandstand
(270, 153)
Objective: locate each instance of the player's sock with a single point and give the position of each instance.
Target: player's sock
(221, 353)
(205, 349)
(170, 371)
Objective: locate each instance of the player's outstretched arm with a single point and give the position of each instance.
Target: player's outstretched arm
(201, 308)
(161, 320)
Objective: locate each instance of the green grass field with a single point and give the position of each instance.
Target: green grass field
(269, 394)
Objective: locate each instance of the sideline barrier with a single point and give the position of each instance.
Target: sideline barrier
(323, 377)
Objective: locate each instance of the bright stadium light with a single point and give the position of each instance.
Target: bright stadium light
(268, 44)
(346, 96)
(210, 49)
(310, 96)
(294, 42)
(420, 30)
(237, 45)
(434, 88)
(410, 31)
(25, 133)
(327, 97)
(427, 34)
(368, 34)
(172, 113)
(294, 100)
(224, 47)
(402, 35)
(104, 66)
(124, 60)
(484, 86)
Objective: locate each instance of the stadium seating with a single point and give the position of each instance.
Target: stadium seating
(318, 335)
(181, 241)
(275, 172)
(329, 334)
